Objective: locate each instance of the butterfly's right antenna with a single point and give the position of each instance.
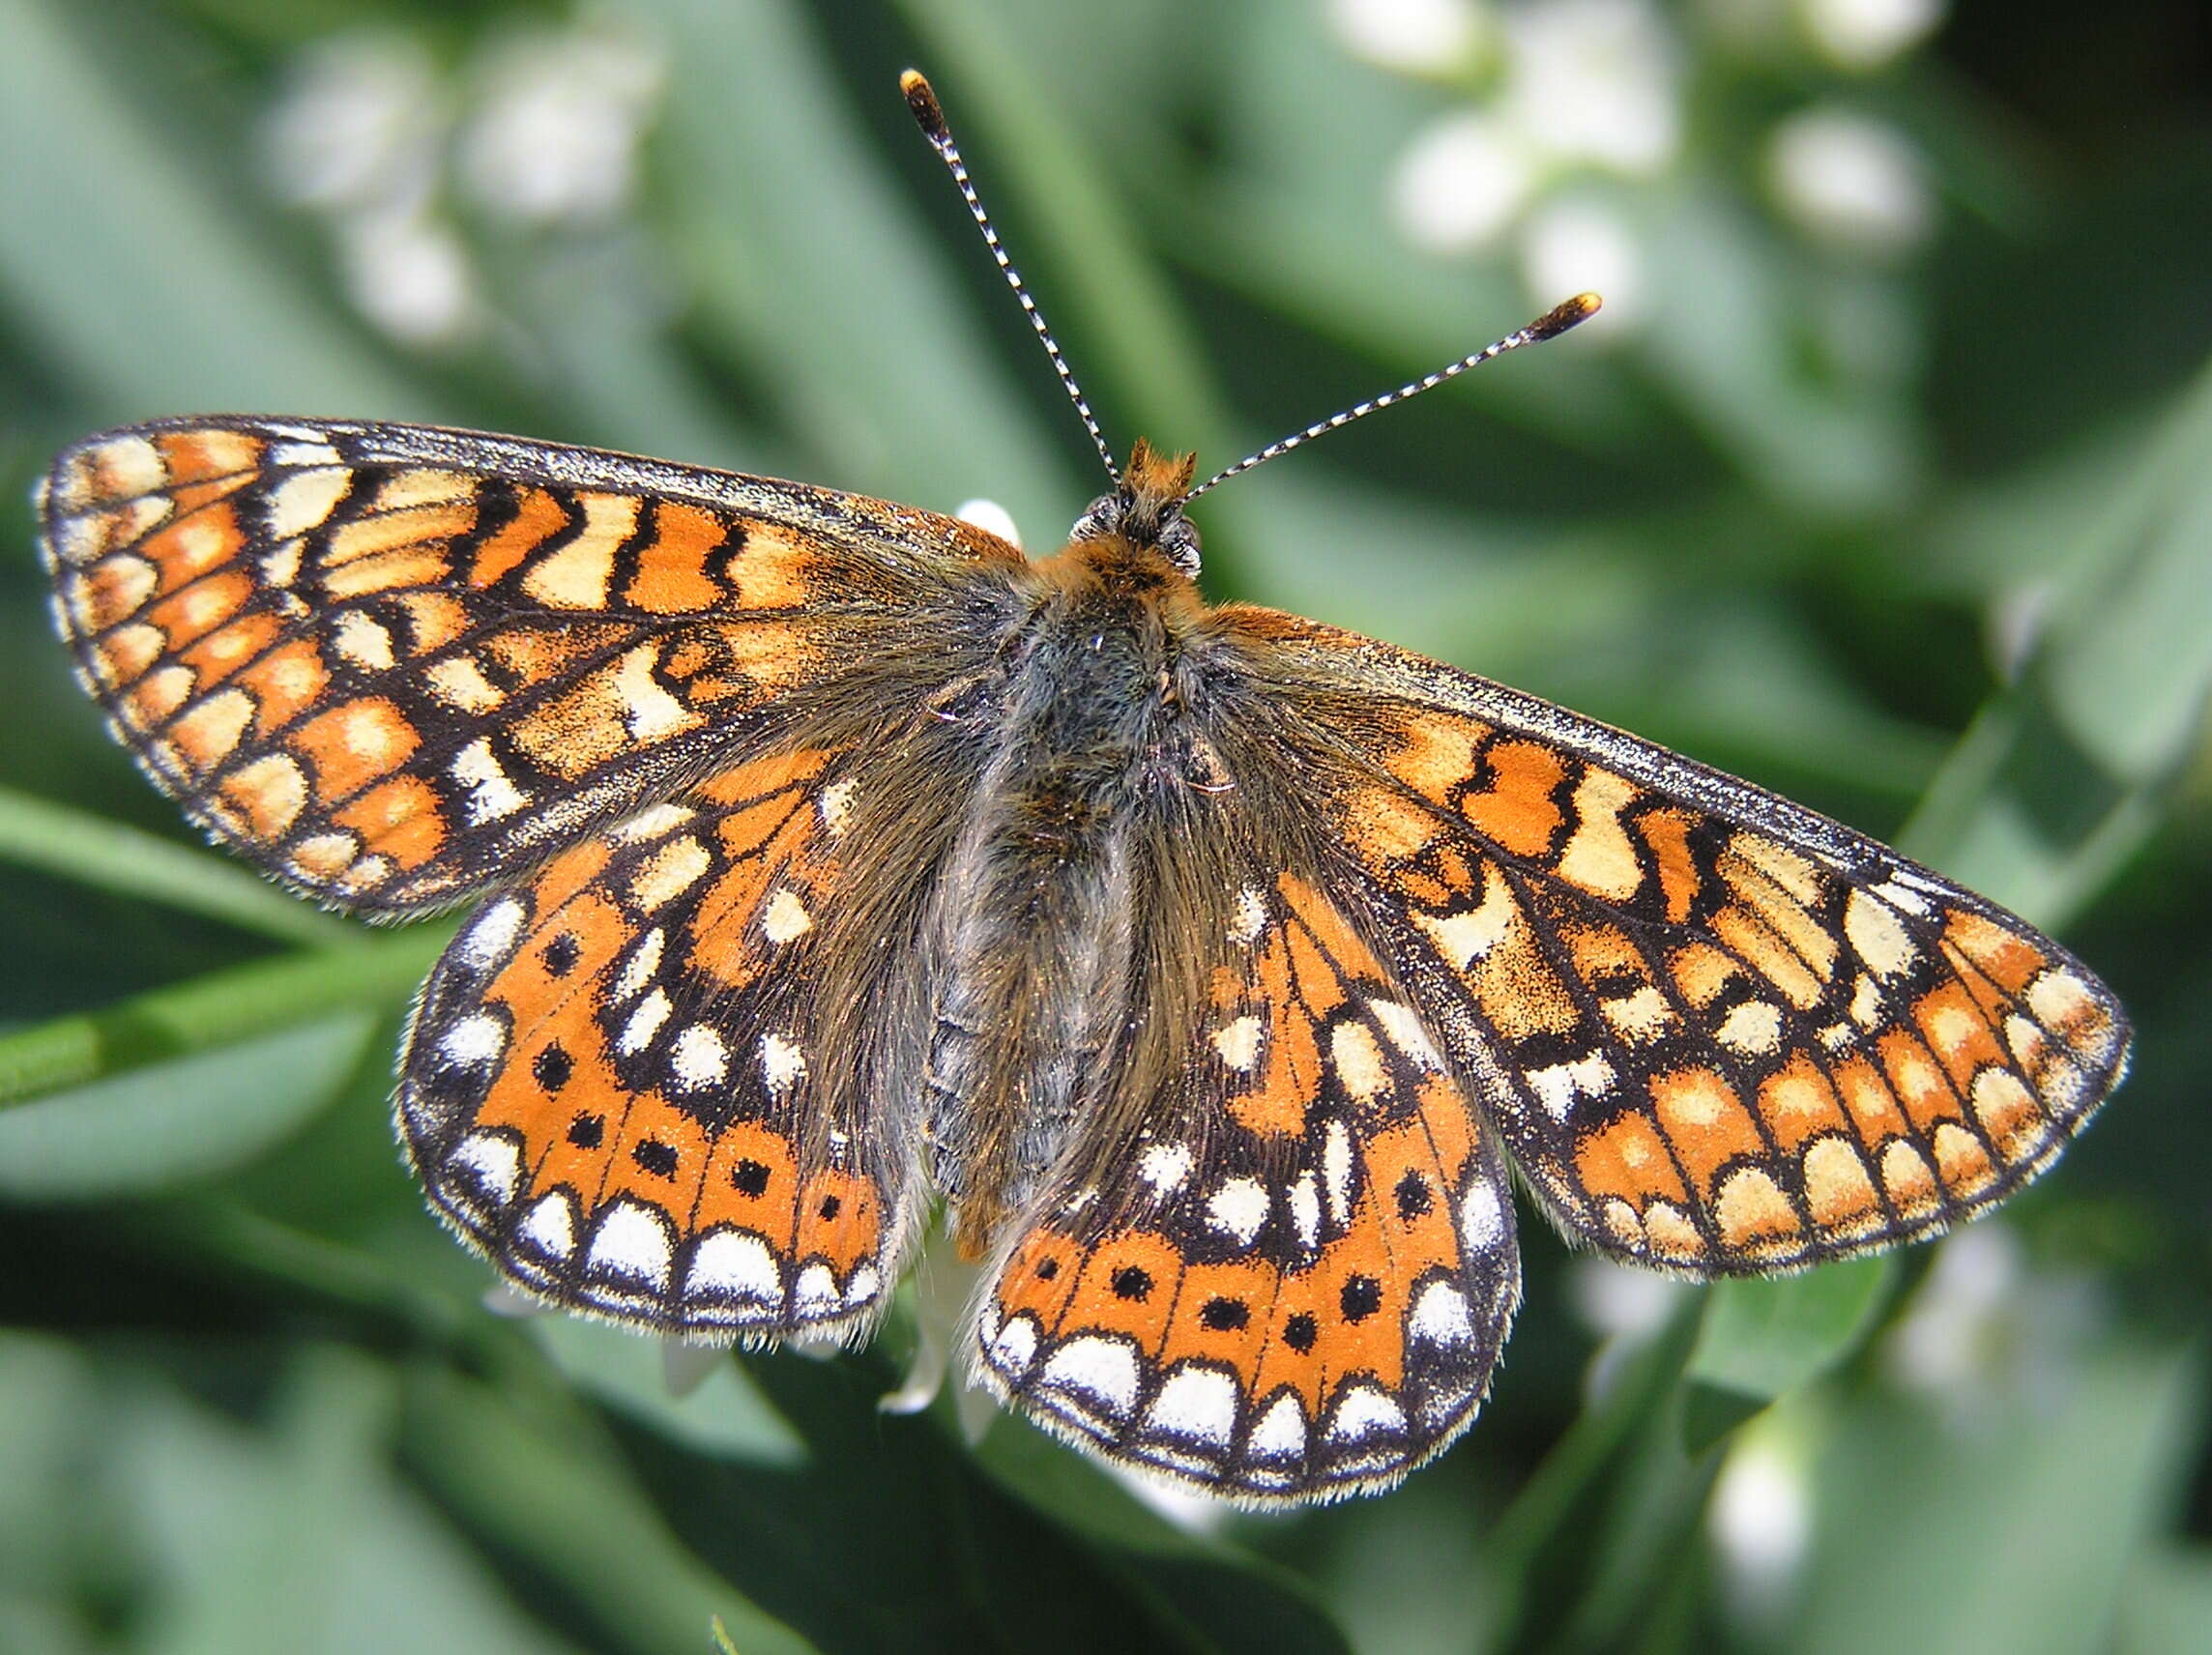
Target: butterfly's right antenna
(929, 115)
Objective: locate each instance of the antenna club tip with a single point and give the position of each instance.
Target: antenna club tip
(922, 100)
(1560, 317)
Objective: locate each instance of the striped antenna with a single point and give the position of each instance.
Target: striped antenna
(929, 115)
(1549, 326)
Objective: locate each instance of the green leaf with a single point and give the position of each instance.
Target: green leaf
(165, 1124)
(78, 845)
(218, 1009)
(1761, 1339)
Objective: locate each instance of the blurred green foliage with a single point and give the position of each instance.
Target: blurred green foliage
(1914, 523)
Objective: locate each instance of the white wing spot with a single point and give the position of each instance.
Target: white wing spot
(1481, 1217)
(1100, 1371)
(1238, 1209)
(632, 1241)
(1250, 919)
(734, 1264)
(1165, 1166)
(476, 1040)
(490, 934)
(698, 1057)
(1557, 1087)
(782, 1061)
(1336, 1171)
(1439, 1316)
(1196, 1403)
(1365, 1412)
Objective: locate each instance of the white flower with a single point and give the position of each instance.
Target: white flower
(1865, 34)
(357, 124)
(556, 132)
(1852, 181)
(1414, 36)
(1460, 184)
(409, 275)
(1594, 81)
(1571, 245)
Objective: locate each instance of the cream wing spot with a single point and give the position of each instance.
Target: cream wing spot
(1359, 1063)
(1879, 937)
(362, 642)
(1238, 1042)
(785, 919)
(490, 794)
(639, 967)
(303, 502)
(643, 1024)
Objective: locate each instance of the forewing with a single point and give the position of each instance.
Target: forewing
(1719, 1032)
(1289, 1280)
(614, 1084)
(385, 662)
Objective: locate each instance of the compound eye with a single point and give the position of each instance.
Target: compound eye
(1179, 540)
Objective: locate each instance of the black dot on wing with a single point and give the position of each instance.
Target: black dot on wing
(1300, 1333)
(562, 954)
(1130, 1282)
(1047, 1269)
(750, 1176)
(1224, 1315)
(552, 1067)
(1361, 1298)
(655, 1157)
(1413, 1197)
(587, 1131)
(829, 1208)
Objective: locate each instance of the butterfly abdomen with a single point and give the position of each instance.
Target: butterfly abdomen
(1037, 906)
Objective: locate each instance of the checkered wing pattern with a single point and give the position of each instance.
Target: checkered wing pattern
(1288, 1277)
(620, 1083)
(1717, 1032)
(387, 662)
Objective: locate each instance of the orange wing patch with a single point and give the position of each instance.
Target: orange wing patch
(1297, 1284)
(1712, 1045)
(608, 1086)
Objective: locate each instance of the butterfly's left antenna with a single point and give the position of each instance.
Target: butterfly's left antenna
(929, 115)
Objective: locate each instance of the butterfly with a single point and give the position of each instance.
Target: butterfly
(1209, 965)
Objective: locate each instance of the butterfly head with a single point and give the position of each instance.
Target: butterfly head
(1147, 508)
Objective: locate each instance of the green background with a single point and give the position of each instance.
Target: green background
(1924, 541)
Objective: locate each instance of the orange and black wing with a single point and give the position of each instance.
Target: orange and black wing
(623, 1083)
(1719, 1032)
(1287, 1274)
(386, 662)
